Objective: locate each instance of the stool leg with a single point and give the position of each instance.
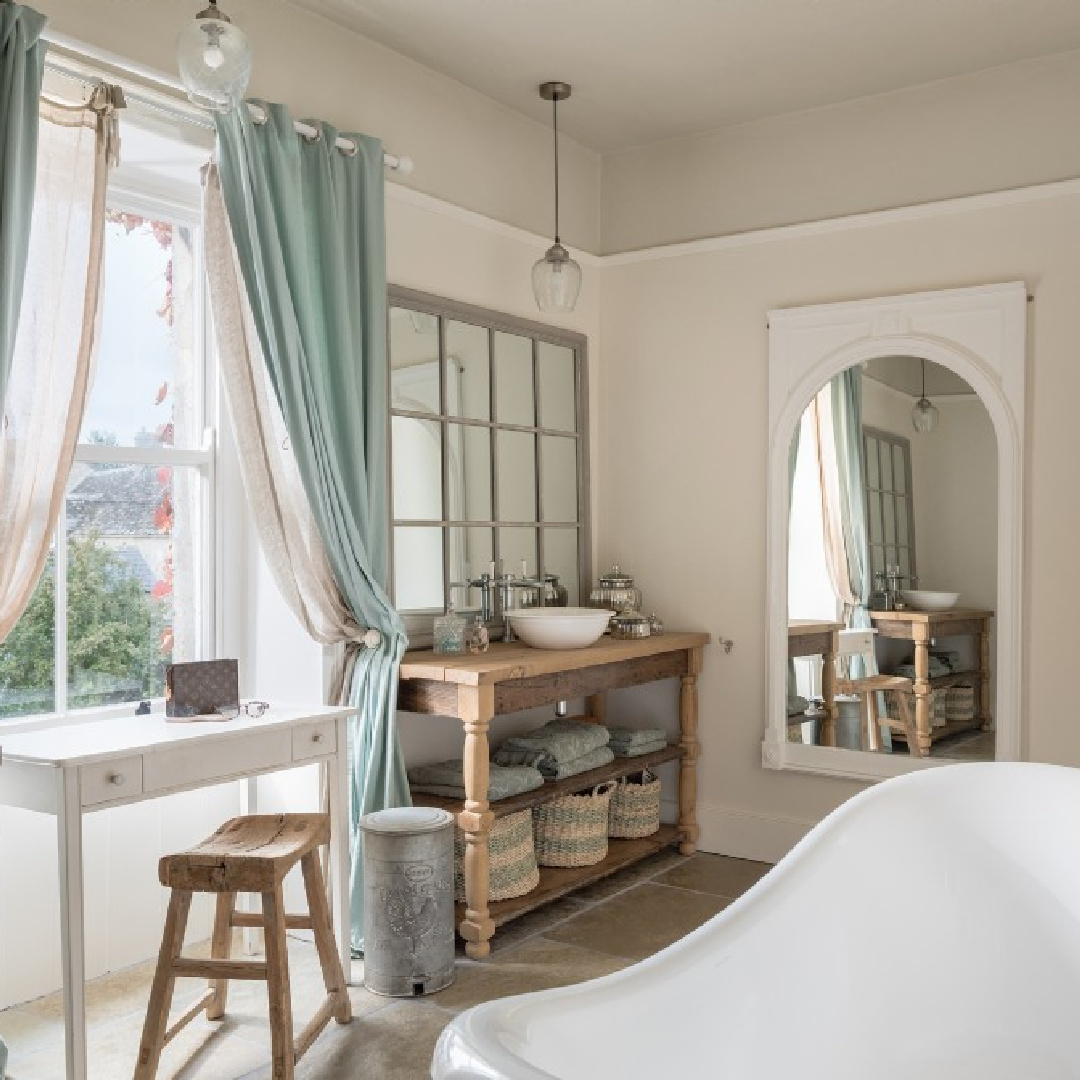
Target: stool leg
(161, 992)
(333, 976)
(277, 985)
(220, 948)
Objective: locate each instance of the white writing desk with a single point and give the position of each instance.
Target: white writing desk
(72, 769)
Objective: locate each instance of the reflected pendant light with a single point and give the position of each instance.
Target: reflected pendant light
(556, 277)
(214, 59)
(924, 415)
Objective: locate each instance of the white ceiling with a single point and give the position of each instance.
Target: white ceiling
(644, 71)
(904, 373)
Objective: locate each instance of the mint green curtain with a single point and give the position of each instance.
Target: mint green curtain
(308, 223)
(846, 399)
(22, 67)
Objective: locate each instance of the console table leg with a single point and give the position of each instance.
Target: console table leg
(923, 731)
(688, 726)
(984, 679)
(477, 928)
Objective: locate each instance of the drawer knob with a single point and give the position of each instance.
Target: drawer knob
(317, 737)
(116, 779)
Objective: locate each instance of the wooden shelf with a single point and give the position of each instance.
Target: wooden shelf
(554, 788)
(556, 882)
(957, 678)
(953, 727)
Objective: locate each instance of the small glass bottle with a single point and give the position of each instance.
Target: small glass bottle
(449, 632)
(476, 637)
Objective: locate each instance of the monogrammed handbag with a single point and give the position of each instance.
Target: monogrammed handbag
(198, 688)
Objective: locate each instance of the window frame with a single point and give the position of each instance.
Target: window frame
(890, 439)
(188, 214)
(419, 623)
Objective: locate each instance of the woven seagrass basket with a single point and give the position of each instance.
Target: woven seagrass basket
(573, 829)
(512, 858)
(635, 808)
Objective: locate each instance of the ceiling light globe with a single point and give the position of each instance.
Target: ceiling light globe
(556, 280)
(924, 416)
(214, 59)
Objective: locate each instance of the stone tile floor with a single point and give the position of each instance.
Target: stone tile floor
(596, 931)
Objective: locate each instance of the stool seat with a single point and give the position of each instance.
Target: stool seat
(247, 854)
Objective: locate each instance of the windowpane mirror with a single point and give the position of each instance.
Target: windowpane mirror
(488, 465)
(864, 486)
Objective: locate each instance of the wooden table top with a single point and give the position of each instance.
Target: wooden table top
(798, 627)
(502, 662)
(952, 615)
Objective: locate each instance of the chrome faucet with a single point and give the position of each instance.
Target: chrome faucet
(496, 597)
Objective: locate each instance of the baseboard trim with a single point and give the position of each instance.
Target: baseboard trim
(745, 834)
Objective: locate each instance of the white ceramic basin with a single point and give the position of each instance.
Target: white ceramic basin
(927, 600)
(559, 627)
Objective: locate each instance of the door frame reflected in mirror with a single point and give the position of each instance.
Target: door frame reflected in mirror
(980, 334)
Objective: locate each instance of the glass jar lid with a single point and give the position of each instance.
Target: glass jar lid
(616, 578)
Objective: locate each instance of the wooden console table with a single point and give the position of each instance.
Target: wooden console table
(809, 638)
(920, 627)
(509, 678)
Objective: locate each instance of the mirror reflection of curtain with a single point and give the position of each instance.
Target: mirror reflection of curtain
(793, 460)
(837, 413)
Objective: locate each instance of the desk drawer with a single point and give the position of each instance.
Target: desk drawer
(104, 781)
(195, 764)
(314, 740)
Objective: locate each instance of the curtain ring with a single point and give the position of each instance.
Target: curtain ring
(313, 138)
(350, 150)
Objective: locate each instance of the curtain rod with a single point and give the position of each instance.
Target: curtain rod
(76, 68)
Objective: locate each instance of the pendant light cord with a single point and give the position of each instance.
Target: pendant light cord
(555, 130)
(924, 378)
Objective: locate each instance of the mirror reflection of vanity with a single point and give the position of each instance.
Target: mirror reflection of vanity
(489, 473)
(894, 484)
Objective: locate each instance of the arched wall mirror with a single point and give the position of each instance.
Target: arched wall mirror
(895, 531)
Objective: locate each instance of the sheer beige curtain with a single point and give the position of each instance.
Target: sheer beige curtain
(276, 497)
(52, 365)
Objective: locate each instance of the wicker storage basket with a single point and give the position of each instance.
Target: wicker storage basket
(512, 858)
(635, 808)
(573, 829)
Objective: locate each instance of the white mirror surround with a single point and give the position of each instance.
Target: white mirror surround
(980, 334)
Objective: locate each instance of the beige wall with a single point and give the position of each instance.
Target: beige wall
(468, 149)
(996, 129)
(684, 361)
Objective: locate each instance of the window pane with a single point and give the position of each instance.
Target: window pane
(414, 360)
(873, 514)
(886, 468)
(133, 579)
(560, 482)
(469, 473)
(561, 557)
(517, 475)
(468, 371)
(888, 504)
(899, 472)
(147, 390)
(417, 450)
(872, 462)
(558, 388)
(514, 380)
(418, 569)
(517, 547)
(27, 656)
(471, 552)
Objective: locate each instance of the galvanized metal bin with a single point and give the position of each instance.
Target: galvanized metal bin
(409, 901)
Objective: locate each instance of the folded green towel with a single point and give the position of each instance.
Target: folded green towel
(562, 739)
(446, 778)
(796, 705)
(549, 766)
(624, 736)
(641, 748)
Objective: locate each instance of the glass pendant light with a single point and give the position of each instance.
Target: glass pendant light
(924, 415)
(215, 60)
(556, 277)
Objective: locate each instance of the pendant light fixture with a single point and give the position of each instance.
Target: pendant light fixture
(924, 415)
(214, 59)
(556, 277)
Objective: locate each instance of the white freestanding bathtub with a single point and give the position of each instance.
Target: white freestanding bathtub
(929, 928)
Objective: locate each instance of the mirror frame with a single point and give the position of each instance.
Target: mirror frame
(980, 333)
(419, 623)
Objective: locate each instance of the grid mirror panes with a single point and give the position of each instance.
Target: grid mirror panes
(888, 502)
(488, 453)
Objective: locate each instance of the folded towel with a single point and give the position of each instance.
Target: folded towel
(446, 778)
(549, 766)
(624, 736)
(936, 667)
(563, 738)
(640, 748)
(796, 705)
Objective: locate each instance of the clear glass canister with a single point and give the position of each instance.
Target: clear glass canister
(616, 590)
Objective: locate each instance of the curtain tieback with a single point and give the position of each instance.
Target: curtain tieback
(106, 100)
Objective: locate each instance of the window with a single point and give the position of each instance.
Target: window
(127, 588)
(488, 451)
(889, 512)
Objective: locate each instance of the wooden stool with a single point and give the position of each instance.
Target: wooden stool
(247, 854)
